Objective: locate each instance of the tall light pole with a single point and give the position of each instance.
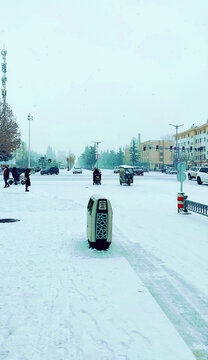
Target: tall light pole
(177, 152)
(29, 118)
(4, 78)
(96, 149)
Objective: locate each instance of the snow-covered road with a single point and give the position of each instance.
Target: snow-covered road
(58, 297)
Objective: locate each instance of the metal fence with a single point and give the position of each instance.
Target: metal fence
(196, 207)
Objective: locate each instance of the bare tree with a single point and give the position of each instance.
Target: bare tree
(9, 133)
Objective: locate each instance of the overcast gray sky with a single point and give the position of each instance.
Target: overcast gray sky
(105, 70)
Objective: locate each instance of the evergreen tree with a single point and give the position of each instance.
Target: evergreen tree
(88, 159)
(109, 159)
(9, 133)
(120, 157)
(50, 153)
(133, 151)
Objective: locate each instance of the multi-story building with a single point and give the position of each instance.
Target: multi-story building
(193, 144)
(153, 154)
(156, 153)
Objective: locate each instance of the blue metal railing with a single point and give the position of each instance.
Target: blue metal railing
(196, 207)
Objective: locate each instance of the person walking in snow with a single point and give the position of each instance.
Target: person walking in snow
(27, 179)
(15, 175)
(6, 177)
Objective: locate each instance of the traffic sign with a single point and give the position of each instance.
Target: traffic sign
(181, 166)
(181, 176)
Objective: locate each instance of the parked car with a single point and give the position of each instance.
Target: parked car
(192, 172)
(116, 170)
(62, 166)
(170, 170)
(77, 170)
(173, 171)
(138, 170)
(50, 171)
(202, 175)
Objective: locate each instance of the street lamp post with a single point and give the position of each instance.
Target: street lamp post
(96, 147)
(29, 118)
(177, 152)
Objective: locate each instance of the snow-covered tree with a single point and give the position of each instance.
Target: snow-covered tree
(88, 159)
(120, 157)
(50, 153)
(133, 151)
(9, 133)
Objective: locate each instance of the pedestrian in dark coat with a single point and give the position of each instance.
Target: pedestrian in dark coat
(27, 179)
(15, 175)
(6, 177)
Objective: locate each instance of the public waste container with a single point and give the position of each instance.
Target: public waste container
(99, 222)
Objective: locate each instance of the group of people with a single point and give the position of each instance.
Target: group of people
(16, 177)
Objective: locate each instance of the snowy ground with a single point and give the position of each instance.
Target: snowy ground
(60, 300)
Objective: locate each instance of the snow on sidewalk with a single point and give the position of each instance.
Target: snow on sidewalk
(61, 300)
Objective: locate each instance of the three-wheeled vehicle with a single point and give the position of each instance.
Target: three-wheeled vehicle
(126, 174)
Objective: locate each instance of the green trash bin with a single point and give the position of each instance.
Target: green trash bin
(99, 222)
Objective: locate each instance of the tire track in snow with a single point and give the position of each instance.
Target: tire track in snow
(184, 305)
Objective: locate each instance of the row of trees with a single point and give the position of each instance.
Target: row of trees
(50, 158)
(108, 159)
(88, 158)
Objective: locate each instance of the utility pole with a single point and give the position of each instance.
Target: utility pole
(29, 118)
(4, 78)
(177, 152)
(96, 149)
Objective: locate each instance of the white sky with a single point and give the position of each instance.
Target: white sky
(104, 70)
